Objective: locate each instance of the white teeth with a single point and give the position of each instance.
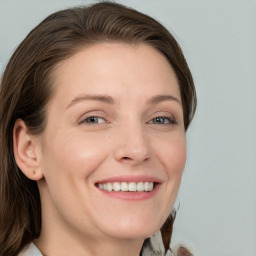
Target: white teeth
(124, 186)
(116, 186)
(127, 186)
(109, 186)
(150, 186)
(140, 186)
(146, 186)
(132, 186)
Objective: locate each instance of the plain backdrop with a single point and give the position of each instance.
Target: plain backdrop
(217, 199)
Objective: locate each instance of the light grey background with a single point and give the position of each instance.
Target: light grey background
(217, 214)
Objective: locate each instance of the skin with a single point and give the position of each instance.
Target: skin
(72, 155)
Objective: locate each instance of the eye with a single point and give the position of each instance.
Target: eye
(94, 120)
(162, 120)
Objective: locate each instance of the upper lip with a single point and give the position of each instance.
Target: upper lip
(130, 178)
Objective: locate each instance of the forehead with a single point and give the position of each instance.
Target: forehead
(114, 66)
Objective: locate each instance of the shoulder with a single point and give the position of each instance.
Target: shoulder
(154, 246)
(30, 250)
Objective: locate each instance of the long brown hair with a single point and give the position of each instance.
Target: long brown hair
(26, 89)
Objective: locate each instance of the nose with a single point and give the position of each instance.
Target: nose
(132, 145)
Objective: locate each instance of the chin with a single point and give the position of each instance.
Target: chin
(134, 227)
(134, 233)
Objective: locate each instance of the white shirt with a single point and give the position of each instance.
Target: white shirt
(30, 250)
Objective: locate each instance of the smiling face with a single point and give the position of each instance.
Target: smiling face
(114, 125)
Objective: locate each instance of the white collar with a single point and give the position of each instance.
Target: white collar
(30, 250)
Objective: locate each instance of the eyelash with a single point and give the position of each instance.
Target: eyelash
(86, 120)
(165, 120)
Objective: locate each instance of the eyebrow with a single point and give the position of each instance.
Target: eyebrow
(160, 98)
(101, 98)
(109, 100)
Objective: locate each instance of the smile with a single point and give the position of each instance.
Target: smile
(127, 186)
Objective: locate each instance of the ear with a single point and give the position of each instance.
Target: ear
(25, 151)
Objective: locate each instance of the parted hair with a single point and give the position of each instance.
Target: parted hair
(26, 89)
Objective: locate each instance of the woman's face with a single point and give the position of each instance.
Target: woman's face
(114, 123)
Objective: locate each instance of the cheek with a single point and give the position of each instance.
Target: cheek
(174, 163)
(173, 156)
(72, 155)
(173, 159)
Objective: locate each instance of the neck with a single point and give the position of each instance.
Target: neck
(88, 247)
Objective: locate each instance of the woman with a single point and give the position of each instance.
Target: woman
(95, 103)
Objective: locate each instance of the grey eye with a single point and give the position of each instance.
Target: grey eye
(94, 120)
(160, 120)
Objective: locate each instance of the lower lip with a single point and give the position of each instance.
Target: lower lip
(131, 196)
